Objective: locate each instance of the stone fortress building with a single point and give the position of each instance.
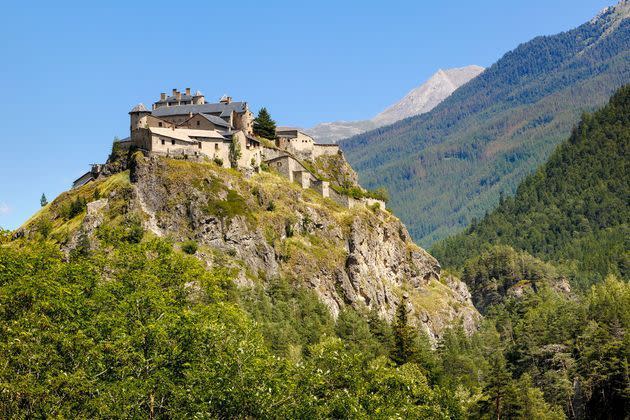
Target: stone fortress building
(185, 125)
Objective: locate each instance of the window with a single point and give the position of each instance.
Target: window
(159, 124)
(198, 122)
(173, 142)
(163, 142)
(199, 144)
(216, 146)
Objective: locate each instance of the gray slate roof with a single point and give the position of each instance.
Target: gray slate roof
(218, 108)
(216, 120)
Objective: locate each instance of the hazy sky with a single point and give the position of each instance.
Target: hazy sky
(69, 73)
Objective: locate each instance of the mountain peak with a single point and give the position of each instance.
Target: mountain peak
(418, 101)
(426, 96)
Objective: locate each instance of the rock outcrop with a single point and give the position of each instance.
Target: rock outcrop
(262, 227)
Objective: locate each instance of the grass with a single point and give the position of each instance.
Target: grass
(55, 211)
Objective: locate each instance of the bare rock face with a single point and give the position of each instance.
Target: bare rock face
(418, 101)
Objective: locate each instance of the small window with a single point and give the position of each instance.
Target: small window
(198, 122)
(159, 124)
(216, 146)
(173, 142)
(163, 142)
(199, 144)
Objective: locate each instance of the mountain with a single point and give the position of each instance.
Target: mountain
(573, 210)
(263, 227)
(420, 100)
(450, 165)
(428, 95)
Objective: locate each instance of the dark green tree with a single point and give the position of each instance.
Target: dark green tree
(43, 201)
(264, 126)
(404, 336)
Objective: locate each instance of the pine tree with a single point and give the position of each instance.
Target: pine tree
(264, 126)
(43, 201)
(404, 336)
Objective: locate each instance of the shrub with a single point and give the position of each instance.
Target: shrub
(75, 208)
(218, 161)
(189, 247)
(134, 230)
(44, 226)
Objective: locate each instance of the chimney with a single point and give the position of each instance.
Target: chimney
(162, 96)
(179, 96)
(174, 92)
(188, 91)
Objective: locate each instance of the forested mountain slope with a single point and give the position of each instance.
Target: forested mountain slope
(573, 210)
(445, 167)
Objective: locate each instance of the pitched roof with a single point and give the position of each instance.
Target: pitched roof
(216, 120)
(139, 108)
(217, 108)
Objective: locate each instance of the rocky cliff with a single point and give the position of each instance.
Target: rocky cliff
(418, 101)
(262, 227)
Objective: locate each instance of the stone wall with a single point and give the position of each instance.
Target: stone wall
(324, 150)
(251, 152)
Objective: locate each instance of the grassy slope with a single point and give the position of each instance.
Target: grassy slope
(448, 166)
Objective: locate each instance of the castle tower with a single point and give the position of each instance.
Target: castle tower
(138, 115)
(198, 99)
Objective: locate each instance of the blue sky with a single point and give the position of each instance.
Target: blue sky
(70, 72)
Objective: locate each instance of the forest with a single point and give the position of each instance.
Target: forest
(144, 330)
(573, 211)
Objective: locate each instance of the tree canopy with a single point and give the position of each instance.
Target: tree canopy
(264, 126)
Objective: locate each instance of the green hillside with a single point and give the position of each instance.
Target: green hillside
(448, 166)
(573, 210)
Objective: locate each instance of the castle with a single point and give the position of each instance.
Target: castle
(185, 125)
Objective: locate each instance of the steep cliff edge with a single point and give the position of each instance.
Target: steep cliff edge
(264, 227)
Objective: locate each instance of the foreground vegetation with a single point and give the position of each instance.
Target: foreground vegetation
(144, 330)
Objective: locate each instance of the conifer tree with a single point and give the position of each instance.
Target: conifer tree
(43, 201)
(404, 336)
(264, 126)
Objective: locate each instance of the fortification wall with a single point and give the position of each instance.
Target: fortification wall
(325, 150)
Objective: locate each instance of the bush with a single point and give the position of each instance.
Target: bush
(134, 230)
(218, 161)
(76, 207)
(189, 247)
(44, 226)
